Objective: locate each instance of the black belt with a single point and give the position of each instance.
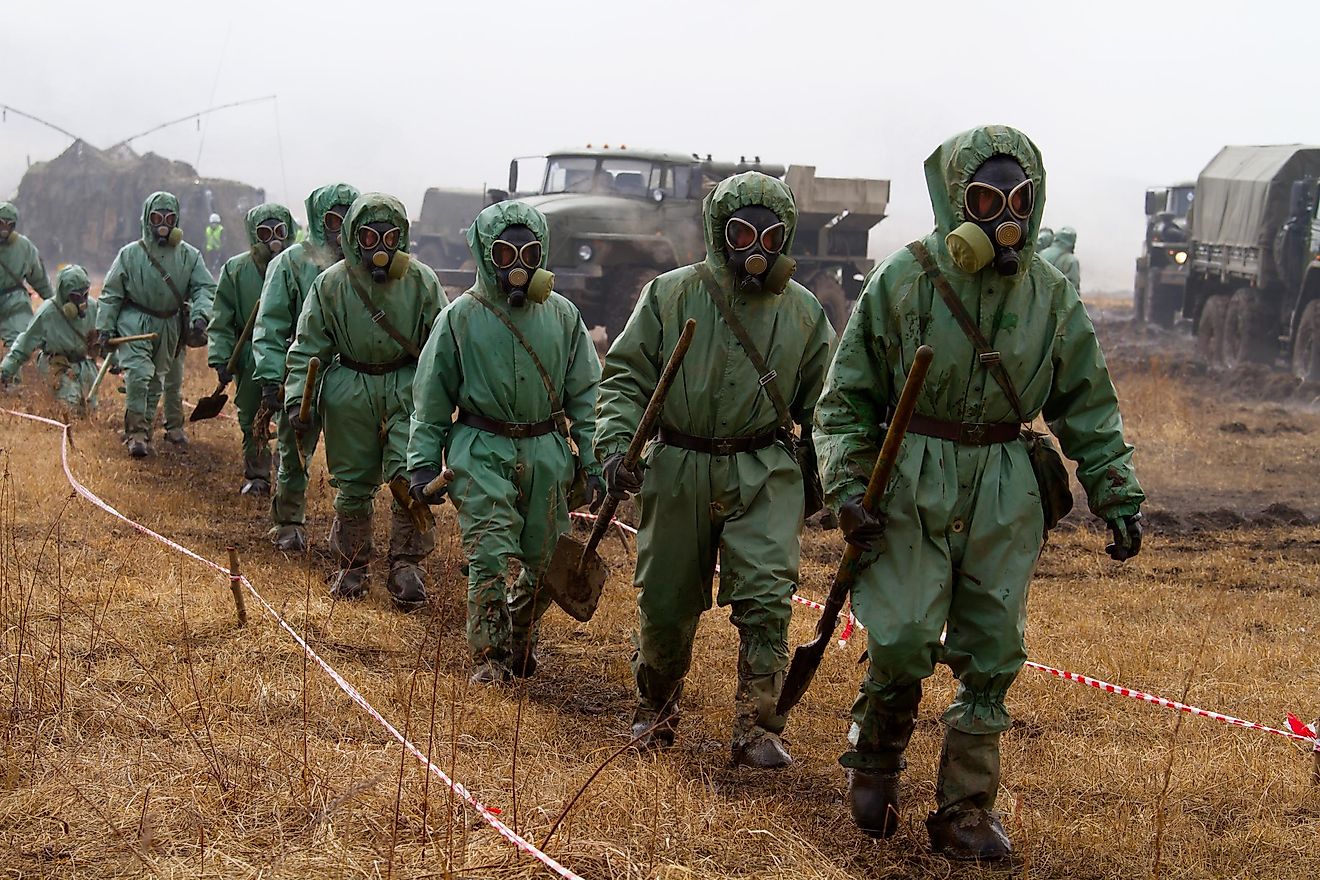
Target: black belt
(378, 369)
(514, 430)
(156, 313)
(718, 445)
(965, 433)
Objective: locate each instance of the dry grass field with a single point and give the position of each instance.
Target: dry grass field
(146, 735)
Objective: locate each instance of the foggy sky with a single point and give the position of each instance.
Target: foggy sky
(400, 96)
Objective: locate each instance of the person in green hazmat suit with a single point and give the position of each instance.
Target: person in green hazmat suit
(1044, 239)
(722, 479)
(1059, 254)
(509, 446)
(269, 228)
(962, 523)
(61, 330)
(288, 281)
(157, 284)
(367, 318)
(20, 263)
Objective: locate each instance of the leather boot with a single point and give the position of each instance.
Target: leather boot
(408, 547)
(654, 728)
(765, 751)
(873, 802)
(256, 474)
(350, 539)
(489, 672)
(291, 538)
(965, 828)
(176, 436)
(138, 448)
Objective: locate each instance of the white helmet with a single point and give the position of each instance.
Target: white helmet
(215, 218)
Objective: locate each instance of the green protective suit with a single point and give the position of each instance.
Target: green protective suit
(964, 522)
(288, 281)
(1044, 239)
(1060, 255)
(236, 295)
(366, 408)
(19, 263)
(61, 341)
(136, 299)
(744, 508)
(511, 494)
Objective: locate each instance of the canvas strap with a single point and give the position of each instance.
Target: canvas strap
(378, 318)
(766, 376)
(556, 404)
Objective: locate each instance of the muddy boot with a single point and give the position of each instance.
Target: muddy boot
(408, 547)
(873, 802)
(765, 751)
(965, 828)
(138, 446)
(176, 436)
(350, 540)
(256, 474)
(757, 725)
(490, 672)
(653, 727)
(290, 537)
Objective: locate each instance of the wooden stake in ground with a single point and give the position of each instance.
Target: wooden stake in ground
(236, 587)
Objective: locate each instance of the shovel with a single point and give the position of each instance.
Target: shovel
(806, 659)
(420, 513)
(576, 574)
(105, 362)
(305, 408)
(212, 406)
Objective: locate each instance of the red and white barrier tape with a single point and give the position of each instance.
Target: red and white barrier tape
(1298, 730)
(458, 788)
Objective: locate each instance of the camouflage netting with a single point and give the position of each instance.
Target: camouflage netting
(86, 203)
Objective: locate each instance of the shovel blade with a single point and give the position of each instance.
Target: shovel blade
(806, 660)
(576, 591)
(209, 407)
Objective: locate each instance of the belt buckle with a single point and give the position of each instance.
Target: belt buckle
(722, 446)
(974, 433)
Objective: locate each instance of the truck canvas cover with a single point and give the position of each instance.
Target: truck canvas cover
(1242, 195)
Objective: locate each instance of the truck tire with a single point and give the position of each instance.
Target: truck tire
(1210, 330)
(1306, 347)
(1163, 303)
(1248, 336)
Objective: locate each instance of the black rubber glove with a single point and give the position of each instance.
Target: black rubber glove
(419, 479)
(222, 373)
(103, 341)
(197, 333)
(860, 528)
(1127, 537)
(596, 492)
(272, 396)
(294, 414)
(619, 480)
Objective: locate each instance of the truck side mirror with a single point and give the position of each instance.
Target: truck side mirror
(513, 176)
(1156, 200)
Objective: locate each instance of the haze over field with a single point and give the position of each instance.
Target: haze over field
(398, 97)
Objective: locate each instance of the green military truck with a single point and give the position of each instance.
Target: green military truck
(1253, 282)
(620, 216)
(1157, 293)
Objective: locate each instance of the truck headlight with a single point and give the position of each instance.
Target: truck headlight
(1180, 257)
(584, 253)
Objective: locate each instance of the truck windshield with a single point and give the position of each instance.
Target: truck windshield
(581, 174)
(1180, 200)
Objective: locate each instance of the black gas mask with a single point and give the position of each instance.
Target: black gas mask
(6, 230)
(998, 204)
(754, 239)
(75, 303)
(516, 255)
(165, 225)
(379, 244)
(333, 223)
(272, 237)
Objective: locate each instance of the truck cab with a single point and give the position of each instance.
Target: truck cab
(1161, 277)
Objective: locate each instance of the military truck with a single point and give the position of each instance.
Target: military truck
(1253, 283)
(1162, 267)
(620, 216)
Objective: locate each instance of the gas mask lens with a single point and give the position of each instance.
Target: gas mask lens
(267, 234)
(163, 218)
(504, 254)
(6, 228)
(740, 235)
(369, 238)
(986, 203)
(333, 220)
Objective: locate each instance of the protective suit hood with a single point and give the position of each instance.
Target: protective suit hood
(71, 277)
(1066, 238)
(739, 191)
(9, 211)
(493, 220)
(321, 200)
(157, 201)
(950, 168)
(263, 212)
(371, 208)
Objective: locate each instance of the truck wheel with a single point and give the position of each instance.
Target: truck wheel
(1306, 347)
(1247, 332)
(1210, 330)
(1164, 302)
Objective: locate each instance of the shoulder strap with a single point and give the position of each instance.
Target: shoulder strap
(18, 282)
(379, 319)
(767, 375)
(165, 276)
(988, 357)
(555, 403)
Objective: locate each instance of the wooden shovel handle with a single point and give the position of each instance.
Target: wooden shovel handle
(232, 366)
(140, 337)
(305, 410)
(446, 477)
(652, 414)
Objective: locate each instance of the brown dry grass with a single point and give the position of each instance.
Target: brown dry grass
(148, 736)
